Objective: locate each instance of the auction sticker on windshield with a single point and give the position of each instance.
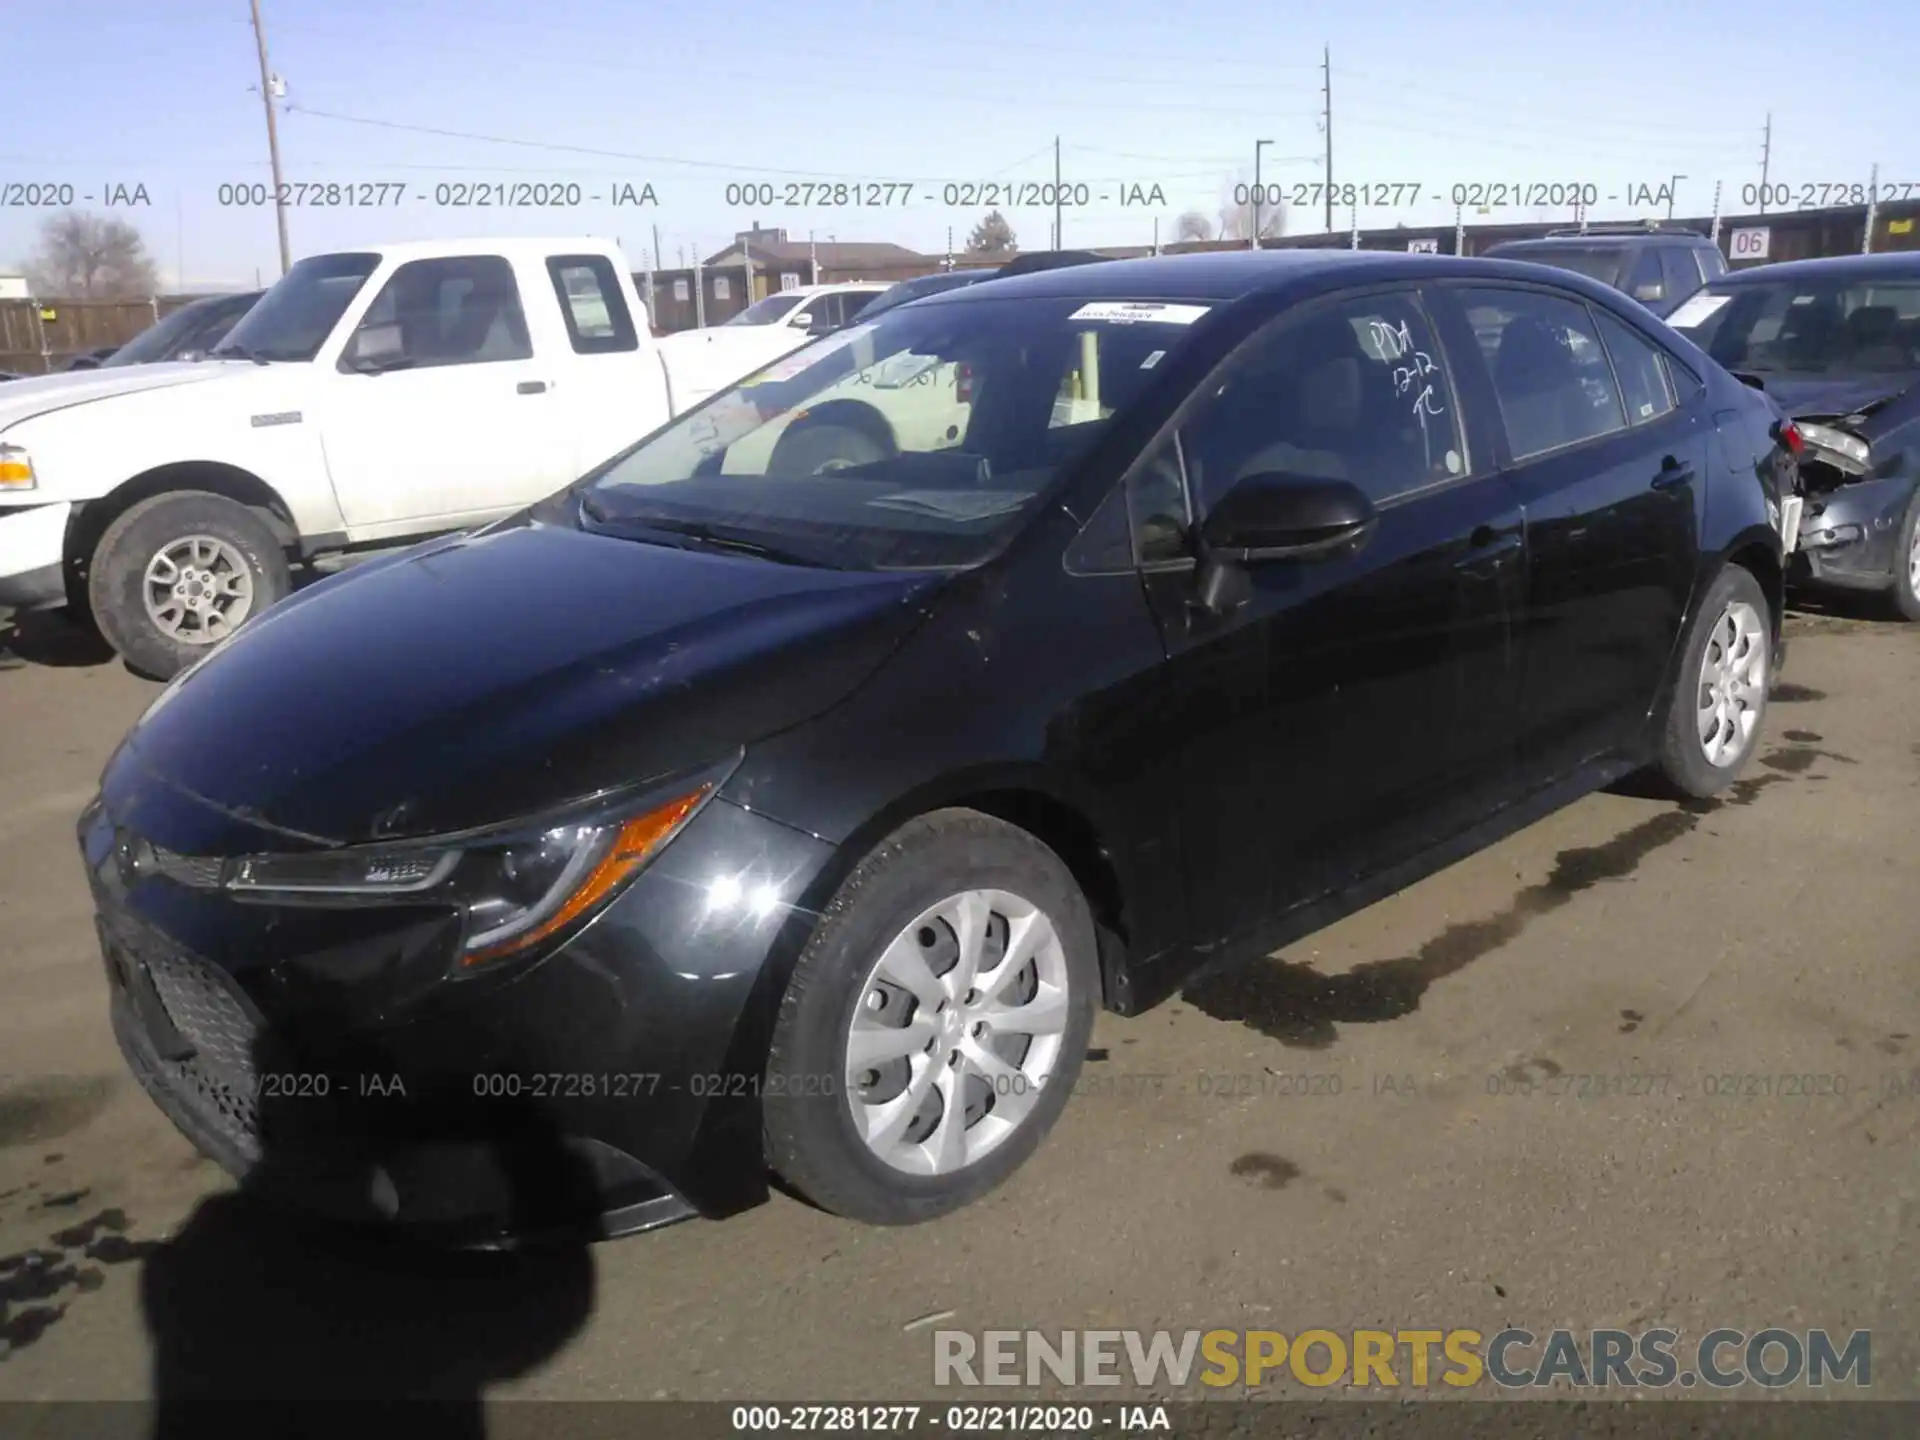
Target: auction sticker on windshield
(1697, 310)
(1134, 312)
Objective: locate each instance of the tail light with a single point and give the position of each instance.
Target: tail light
(1788, 434)
(963, 383)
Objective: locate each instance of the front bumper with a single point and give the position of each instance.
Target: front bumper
(32, 544)
(1849, 535)
(608, 1087)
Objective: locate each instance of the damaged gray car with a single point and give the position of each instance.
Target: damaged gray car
(1836, 344)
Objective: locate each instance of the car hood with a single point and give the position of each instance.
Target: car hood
(1805, 396)
(42, 394)
(497, 675)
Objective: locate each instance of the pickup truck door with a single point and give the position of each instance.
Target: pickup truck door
(614, 389)
(437, 413)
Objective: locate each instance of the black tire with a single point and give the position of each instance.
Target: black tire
(118, 571)
(1906, 602)
(811, 1140)
(812, 449)
(1683, 764)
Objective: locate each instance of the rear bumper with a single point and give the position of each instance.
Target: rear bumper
(32, 544)
(609, 1087)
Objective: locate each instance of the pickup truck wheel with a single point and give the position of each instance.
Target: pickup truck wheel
(818, 449)
(179, 573)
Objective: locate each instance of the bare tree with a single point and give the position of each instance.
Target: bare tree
(1193, 225)
(992, 236)
(90, 257)
(1236, 210)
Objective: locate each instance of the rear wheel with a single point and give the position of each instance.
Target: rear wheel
(179, 573)
(1714, 719)
(933, 1029)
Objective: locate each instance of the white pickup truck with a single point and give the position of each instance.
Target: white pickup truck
(370, 397)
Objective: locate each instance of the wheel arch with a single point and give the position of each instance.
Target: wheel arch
(1032, 799)
(855, 415)
(89, 522)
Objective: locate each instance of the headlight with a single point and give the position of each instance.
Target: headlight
(16, 469)
(516, 889)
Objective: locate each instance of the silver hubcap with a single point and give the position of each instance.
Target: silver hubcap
(198, 590)
(958, 1028)
(1913, 563)
(1733, 684)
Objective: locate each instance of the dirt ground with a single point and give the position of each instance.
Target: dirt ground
(1383, 1126)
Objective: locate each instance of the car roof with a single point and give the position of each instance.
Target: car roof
(1215, 275)
(832, 287)
(507, 246)
(1887, 265)
(1226, 276)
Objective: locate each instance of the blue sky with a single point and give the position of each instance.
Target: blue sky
(163, 94)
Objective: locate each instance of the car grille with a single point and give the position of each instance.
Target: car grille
(220, 1081)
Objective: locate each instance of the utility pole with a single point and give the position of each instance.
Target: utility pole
(1156, 234)
(273, 139)
(1057, 232)
(1258, 146)
(1873, 212)
(1326, 116)
(1766, 158)
(659, 255)
(949, 264)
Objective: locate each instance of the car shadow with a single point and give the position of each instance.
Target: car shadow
(285, 1297)
(55, 640)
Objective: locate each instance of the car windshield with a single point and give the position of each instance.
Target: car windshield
(159, 341)
(1605, 264)
(765, 312)
(1813, 325)
(917, 441)
(294, 318)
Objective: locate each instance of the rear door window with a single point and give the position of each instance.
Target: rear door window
(588, 289)
(1645, 282)
(1551, 376)
(1680, 273)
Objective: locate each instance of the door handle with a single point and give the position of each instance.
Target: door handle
(1490, 549)
(1672, 472)
(531, 387)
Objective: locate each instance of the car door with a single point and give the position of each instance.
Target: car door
(609, 402)
(436, 411)
(1610, 470)
(1347, 712)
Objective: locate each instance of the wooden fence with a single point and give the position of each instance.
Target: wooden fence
(38, 337)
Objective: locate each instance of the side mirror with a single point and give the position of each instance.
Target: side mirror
(1273, 515)
(821, 325)
(374, 348)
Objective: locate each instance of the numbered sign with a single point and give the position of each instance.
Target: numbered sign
(789, 282)
(722, 290)
(680, 290)
(1751, 244)
(1423, 247)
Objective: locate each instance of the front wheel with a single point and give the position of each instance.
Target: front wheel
(179, 573)
(1714, 719)
(1906, 563)
(933, 1029)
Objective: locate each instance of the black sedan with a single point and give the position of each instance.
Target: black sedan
(1837, 344)
(760, 805)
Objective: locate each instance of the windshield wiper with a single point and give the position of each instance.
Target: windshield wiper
(229, 348)
(696, 535)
